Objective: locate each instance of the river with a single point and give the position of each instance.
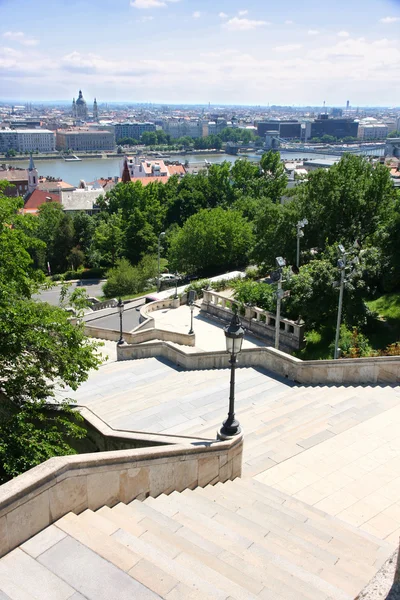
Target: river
(90, 169)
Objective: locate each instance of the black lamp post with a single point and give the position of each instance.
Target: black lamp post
(234, 335)
(191, 301)
(121, 312)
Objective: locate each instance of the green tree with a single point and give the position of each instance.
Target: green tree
(273, 176)
(149, 138)
(121, 280)
(210, 241)
(394, 134)
(349, 201)
(40, 352)
(108, 238)
(56, 230)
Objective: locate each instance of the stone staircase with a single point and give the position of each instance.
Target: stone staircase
(238, 540)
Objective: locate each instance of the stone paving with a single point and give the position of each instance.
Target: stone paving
(335, 448)
(209, 332)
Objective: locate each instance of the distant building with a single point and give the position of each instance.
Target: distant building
(84, 198)
(95, 111)
(140, 168)
(79, 108)
(17, 179)
(178, 128)
(287, 130)
(84, 140)
(338, 128)
(132, 130)
(27, 140)
(371, 129)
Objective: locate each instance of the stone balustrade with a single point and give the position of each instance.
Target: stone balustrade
(259, 322)
(36, 499)
(384, 370)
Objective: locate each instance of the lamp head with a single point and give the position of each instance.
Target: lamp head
(281, 262)
(341, 249)
(234, 335)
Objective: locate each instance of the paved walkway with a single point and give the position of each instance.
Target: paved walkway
(209, 332)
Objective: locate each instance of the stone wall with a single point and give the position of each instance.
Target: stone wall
(34, 500)
(140, 336)
(257, 321)
(383, 370)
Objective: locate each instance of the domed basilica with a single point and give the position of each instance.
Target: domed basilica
(79, 108)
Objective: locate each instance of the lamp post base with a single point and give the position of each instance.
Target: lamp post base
(229, 430)
(121, 342)
(222, 436)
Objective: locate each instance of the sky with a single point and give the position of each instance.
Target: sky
(249, 52)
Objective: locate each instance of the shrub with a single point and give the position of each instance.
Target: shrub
(353, 343)
(252, 273)
(198, 287)
(121, 280)
(254, 293)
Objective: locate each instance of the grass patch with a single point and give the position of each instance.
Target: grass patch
(317, 345)
(387, 306)
(385, 329)
(131, 296)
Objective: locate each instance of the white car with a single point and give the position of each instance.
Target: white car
(167, 277)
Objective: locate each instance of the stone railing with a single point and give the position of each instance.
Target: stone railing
(138, 336)
(381, 370)
(259, 322)
(112, 303)
(36, 499)
(146, 309)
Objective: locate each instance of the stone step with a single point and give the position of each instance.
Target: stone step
(350, 536)
(198, 554)
(31, 579)
(155, 570)
(309, 557)
(255, 562)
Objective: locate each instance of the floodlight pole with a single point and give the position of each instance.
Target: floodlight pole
(339, 315)
(278, 312)
(158, 259)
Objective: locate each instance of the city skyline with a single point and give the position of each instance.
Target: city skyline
(186, 52)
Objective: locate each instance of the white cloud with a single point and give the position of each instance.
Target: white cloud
(223, 15)
(313, 32)
(289, 22)
(343, 34)
(20, 37)
(196, 14)
(388, 20)
(242, 13)
(288, 48)
(237, 24)
(150, 3)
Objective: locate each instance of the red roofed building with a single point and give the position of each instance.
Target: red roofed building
(36, 198)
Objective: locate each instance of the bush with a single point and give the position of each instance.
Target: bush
(257, 294)
(353, 343)
(252, 273)
(121, 280)
(198, 287)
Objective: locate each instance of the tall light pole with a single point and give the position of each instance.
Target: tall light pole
(234, 335)
(281, 262)
(121, 312)
(342, 265)
(300, 233)
(162, 234)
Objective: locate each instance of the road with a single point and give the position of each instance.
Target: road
(110, 320)
(93, 287)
